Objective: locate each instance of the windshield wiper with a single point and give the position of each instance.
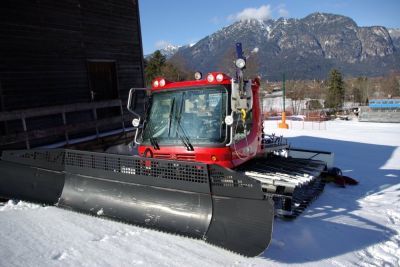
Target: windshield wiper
(185, 139)
(154, 143)
(153, 140)
(170, 116)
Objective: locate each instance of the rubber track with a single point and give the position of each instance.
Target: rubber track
(297, 182)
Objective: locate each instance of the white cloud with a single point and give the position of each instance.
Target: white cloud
(283, 12)
(215, 20)
(161, 44)
(261, 13)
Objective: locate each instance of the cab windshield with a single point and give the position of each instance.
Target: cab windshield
(187, 117)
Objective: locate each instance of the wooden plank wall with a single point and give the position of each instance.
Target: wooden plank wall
(45, 46)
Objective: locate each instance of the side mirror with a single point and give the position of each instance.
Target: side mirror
(135, 94)
(136, 97)
(135, 122)
(229, 120)
(132, 100)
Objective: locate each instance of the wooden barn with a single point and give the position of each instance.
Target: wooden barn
(66, 68)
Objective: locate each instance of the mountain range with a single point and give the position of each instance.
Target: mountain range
(306, 48)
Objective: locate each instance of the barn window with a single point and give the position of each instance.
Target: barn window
(103, 83)
(3, 125)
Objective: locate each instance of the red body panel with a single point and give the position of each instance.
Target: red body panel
(193, 83)
(223, 155)
(250, 147)
(229, 156)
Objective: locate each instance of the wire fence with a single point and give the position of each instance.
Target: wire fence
(298, 124)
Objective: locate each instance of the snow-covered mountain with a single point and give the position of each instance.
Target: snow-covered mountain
(169, 50)
(395, 35)
(302, 48)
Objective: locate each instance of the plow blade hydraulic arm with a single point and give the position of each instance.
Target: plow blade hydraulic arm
(221, 206)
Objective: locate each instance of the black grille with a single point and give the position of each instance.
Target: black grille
(45, 156)
(129, 165)
(220, 177)
(190, 172)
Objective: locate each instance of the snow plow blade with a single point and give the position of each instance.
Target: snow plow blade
(221, 206)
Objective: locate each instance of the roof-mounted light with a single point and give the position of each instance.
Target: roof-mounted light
(220, 77)
(240, 63)
(198, 75)
(135, 122)
(162, 82)
(229, 120)
(210, 78)
(155, 83)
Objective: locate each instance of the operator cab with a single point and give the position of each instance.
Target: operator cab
(194, 116)
(190, 113)
(207, 120)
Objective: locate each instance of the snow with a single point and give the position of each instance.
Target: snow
(255, 50)
(352, 226)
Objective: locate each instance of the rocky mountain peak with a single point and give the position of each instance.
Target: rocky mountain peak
(395, 35)
(307, 47)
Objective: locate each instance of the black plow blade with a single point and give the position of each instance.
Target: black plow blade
(209, 202)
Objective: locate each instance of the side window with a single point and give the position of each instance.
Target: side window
(242, 130)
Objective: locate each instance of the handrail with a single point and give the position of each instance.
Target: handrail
(52, 110)
(27, 135)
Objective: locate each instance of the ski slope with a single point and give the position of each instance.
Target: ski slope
(352, 226)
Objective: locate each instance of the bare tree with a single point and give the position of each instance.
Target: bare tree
(227, 63)
(252, 65)
(295, 90)
(391, 85)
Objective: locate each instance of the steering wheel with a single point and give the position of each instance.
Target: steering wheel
(160, 128)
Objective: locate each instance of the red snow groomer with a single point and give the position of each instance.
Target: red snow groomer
(205, 168)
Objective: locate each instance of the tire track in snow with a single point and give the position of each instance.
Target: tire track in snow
(386, 253)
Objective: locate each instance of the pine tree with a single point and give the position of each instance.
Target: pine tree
(335, 95)
(154, 66)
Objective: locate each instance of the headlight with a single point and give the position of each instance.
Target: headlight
(210, 78)
(240, 63)
(198, 75)
(155, 83)
(135, 122)
(220, 77)
(229, 120)
(162, 82)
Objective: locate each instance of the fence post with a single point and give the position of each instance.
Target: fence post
(65, 123)
(95, 120)
(122, 115)
(28, 146)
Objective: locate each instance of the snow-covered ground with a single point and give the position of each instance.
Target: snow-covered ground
(354, 226)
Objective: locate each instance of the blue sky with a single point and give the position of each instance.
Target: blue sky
(185, 22)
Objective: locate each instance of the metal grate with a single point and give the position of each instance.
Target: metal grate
(52, 159)
(189, 172)
(226, 179)
(47, 156)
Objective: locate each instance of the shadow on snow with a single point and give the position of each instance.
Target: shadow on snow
(332, 225)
